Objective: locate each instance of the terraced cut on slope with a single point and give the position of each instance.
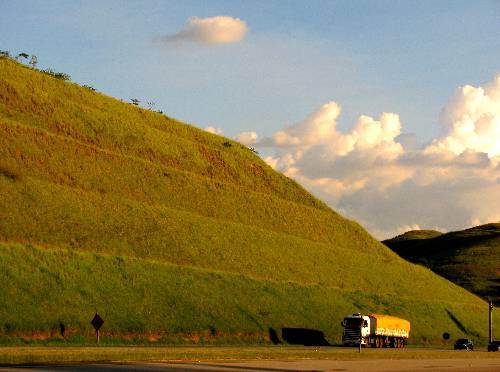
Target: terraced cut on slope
(469, 258)
(171, 232)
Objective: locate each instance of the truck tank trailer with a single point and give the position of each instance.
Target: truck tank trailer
(375, 330)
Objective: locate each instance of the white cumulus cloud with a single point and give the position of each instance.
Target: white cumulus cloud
(319, 127)
(471, 121)
(212, 30)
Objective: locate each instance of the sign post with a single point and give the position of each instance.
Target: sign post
(97, 323)
(490, 322)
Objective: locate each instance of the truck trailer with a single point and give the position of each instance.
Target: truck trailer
(375, 330)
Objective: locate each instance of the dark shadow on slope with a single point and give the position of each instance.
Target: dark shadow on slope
(273, 336)
(304, 336)
(492, 292)
(449, 245)
(457, 322)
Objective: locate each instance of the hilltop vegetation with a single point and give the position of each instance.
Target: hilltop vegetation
(469, 258)
(168, 230)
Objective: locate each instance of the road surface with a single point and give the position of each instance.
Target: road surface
(375, 365)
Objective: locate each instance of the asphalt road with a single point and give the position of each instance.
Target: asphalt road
(434, 365)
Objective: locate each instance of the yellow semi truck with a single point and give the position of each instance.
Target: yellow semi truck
(375, 330)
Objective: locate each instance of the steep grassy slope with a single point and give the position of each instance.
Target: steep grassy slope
(157, 300)
(168, 229)
(470, 258)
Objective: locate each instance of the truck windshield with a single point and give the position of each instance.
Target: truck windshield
(352, 322)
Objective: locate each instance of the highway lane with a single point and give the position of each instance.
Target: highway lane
(372, 365)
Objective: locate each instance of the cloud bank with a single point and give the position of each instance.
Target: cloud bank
(375, 174)
(212, 30)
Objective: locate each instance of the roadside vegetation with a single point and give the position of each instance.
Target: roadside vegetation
(174, 234)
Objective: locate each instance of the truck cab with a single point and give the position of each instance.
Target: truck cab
(356, 326)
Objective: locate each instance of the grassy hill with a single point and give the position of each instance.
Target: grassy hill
(172, 232)
(469, 258)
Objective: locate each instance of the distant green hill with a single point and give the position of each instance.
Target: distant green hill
(469, 258)
(169, 231)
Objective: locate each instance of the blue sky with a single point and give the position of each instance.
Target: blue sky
(369, 57)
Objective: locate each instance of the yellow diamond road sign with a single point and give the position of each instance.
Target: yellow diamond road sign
(97, 322)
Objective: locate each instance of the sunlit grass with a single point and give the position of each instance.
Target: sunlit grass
(171, 231)
(186, 304)
(69, 110)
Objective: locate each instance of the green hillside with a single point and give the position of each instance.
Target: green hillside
(172, 232)
(469, 258)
